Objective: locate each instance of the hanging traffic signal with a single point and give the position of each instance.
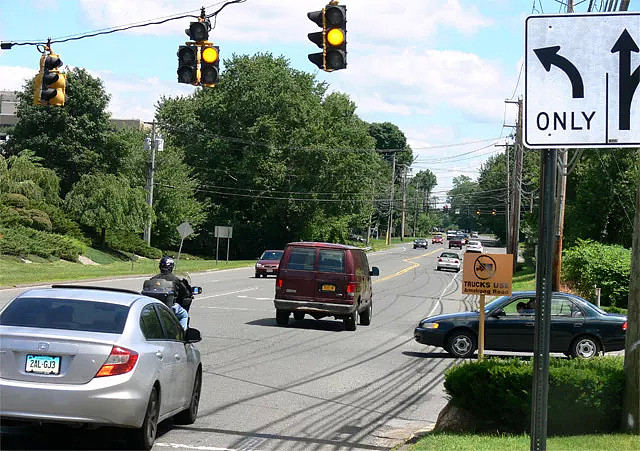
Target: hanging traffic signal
(493, 212)
(478, 212)
(50, 84)
(209, 65)
(332, 39)
(188, 64)
(199, 31)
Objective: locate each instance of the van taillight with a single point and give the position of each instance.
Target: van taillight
(120, 361)
(279, 282)
(624, 326)
(351, 288)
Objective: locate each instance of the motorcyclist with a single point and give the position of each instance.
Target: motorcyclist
(179, 286)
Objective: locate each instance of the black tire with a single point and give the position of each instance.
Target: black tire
(461, 344)
(457, 269)
(365, 316)
(282, 317)
(438, 268)
(584, 347)
(351, 323)
(264, 275)
(145, 436)
(298, 316)
(189, 415)
(257, 275)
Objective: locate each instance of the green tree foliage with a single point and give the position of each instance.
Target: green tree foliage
(424, 182)
(463, 198)
(105, 201)
(259, 144)
(73, 140)
(389, 136)
(24, 174)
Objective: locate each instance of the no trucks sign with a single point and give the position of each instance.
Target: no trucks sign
(490, 274)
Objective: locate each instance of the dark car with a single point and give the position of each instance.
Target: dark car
(420, 242)
(268, 263)
(324, 279)
(457, 241)
(578, 328)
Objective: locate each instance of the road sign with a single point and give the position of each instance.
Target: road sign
(223, 232)
(184, 230)
(490, 274)
(581, 74)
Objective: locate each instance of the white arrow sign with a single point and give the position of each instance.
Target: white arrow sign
(582, 71)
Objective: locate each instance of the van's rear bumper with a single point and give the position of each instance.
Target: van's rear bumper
(314, 306)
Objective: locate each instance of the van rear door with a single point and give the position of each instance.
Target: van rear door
(298, 273)
(331, 283)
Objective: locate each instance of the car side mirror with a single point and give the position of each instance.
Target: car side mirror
(192, 335)
(196, 290)
(374, 271)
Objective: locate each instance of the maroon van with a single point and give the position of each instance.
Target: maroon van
(324, 279)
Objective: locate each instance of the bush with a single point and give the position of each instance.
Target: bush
(584, 395)
(614, 309)
(60, 222)
(589, 263)
(130, 242)
(22, 241)
(15, 200)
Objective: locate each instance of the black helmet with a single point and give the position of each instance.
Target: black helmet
(166, 264)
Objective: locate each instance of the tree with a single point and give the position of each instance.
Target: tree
(424, 182)
(72, 140)
(464, 198)
(106, 201)
(24, 174)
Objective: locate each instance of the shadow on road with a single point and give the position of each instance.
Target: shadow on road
(431, 355)
(331, 326)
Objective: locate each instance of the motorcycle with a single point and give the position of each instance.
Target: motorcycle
(163, 290)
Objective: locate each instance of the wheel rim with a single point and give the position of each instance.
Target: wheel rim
(152, 419)
(461, 344)
(195, 397)
(586, 348)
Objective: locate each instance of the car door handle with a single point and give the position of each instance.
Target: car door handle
(577, 324)
(530, 324)
(177, 356)
(159, 355)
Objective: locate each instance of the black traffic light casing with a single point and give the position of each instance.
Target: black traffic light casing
(209, 64)
(332, 39)
(50, 84)
(198, 31)
(188, 56)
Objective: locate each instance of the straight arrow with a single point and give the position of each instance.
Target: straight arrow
(628, 81)
(548, 56)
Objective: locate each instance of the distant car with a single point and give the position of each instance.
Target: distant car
(451, 234)
(268, 263)
(437, 239)
(98, 357)
(578, 328)
(474, 234)
(475, 246)
(420, 242)
(448, 260)
(457, 241)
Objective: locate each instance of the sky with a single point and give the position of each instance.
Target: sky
(440, 70)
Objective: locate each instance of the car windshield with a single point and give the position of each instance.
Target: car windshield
(271, 255)
(67, 314)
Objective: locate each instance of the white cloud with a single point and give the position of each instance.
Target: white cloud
(12, 78)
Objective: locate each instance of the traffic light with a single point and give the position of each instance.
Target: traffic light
(188, 65)
(209, 65)
(493, 212)
(50, 84)
(478, 212)
(332, 39)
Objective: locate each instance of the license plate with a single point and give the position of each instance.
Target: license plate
(269, 270)
(42, 364)
(327, 287)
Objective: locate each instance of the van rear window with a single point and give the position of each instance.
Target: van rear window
(331, 261)
(302, 259)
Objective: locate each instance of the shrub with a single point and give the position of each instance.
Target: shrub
(15, 200)
(614, 309)
(130, 242)
(39, 219)
(22, 241)
(589, 263)
(584, 395)
(60, 221)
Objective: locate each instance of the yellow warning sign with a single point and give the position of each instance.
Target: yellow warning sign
(490, 274)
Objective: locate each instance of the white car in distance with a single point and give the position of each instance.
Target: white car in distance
(475, 246)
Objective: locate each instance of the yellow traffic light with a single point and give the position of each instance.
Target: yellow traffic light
(332, 39)
(210, 54)
(335, 37)
(50, 84)
(209, 64)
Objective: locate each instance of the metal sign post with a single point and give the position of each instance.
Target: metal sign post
(223, 232)
(481, 329)
(544, 274)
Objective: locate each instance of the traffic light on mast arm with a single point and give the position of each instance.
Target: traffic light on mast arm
(478, 212)
(332, 39)
(199, 59)
(50, 84)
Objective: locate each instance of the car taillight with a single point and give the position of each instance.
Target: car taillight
(351, 288)
(278, 282)
(439, 260)
(624, 326)
(120, 361)
(457, 262)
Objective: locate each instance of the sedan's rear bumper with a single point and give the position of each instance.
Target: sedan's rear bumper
(448, 266)
(112, 401)
(312, 306)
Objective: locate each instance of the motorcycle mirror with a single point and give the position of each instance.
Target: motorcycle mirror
(196, 290)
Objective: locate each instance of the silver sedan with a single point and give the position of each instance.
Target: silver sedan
(92, 356)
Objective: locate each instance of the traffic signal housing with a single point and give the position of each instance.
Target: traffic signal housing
(332, 39)
(493, 212)
(199, 59)
(188, 56)
(478, 212)
(209, 65)
(50, 84)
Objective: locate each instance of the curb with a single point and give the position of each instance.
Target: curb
(415, 437)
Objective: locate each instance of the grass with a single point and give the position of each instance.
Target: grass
(524, 279)
(447, 441)
(15, 272)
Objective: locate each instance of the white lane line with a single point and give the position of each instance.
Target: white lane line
(200, 448)
(257, 299)
(228, 293)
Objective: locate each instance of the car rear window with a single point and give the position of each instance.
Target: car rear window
(302, 259)
(66, 314)
(331, 261)
(449, 255)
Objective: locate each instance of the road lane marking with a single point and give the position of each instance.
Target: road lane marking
(200, 448)
(407, 269)
(257, 299)
(228, 293)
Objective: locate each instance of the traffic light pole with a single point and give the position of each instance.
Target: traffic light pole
(150, 172)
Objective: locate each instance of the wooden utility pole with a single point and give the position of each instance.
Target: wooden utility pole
(393, 183)
(404, 201)
(631, 398)
(514, 236)
(373, 193)
(561, 194)
(150, 174)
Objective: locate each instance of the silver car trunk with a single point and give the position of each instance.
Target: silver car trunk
(35, 354)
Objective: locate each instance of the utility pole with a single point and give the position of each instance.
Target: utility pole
(404, 201)
(507, 199)
(514, 226)
(150, 172)
(393, 182)
(415, 214)
(373, 193)
(563, 171)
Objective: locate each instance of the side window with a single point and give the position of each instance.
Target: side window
(331, 261)
(365, 262)
(563, 307)
(520, 307)
(357, 262)
(150, 324)
(302, 259)
(170, 324)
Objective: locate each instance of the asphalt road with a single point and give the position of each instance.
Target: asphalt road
(310, 385)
